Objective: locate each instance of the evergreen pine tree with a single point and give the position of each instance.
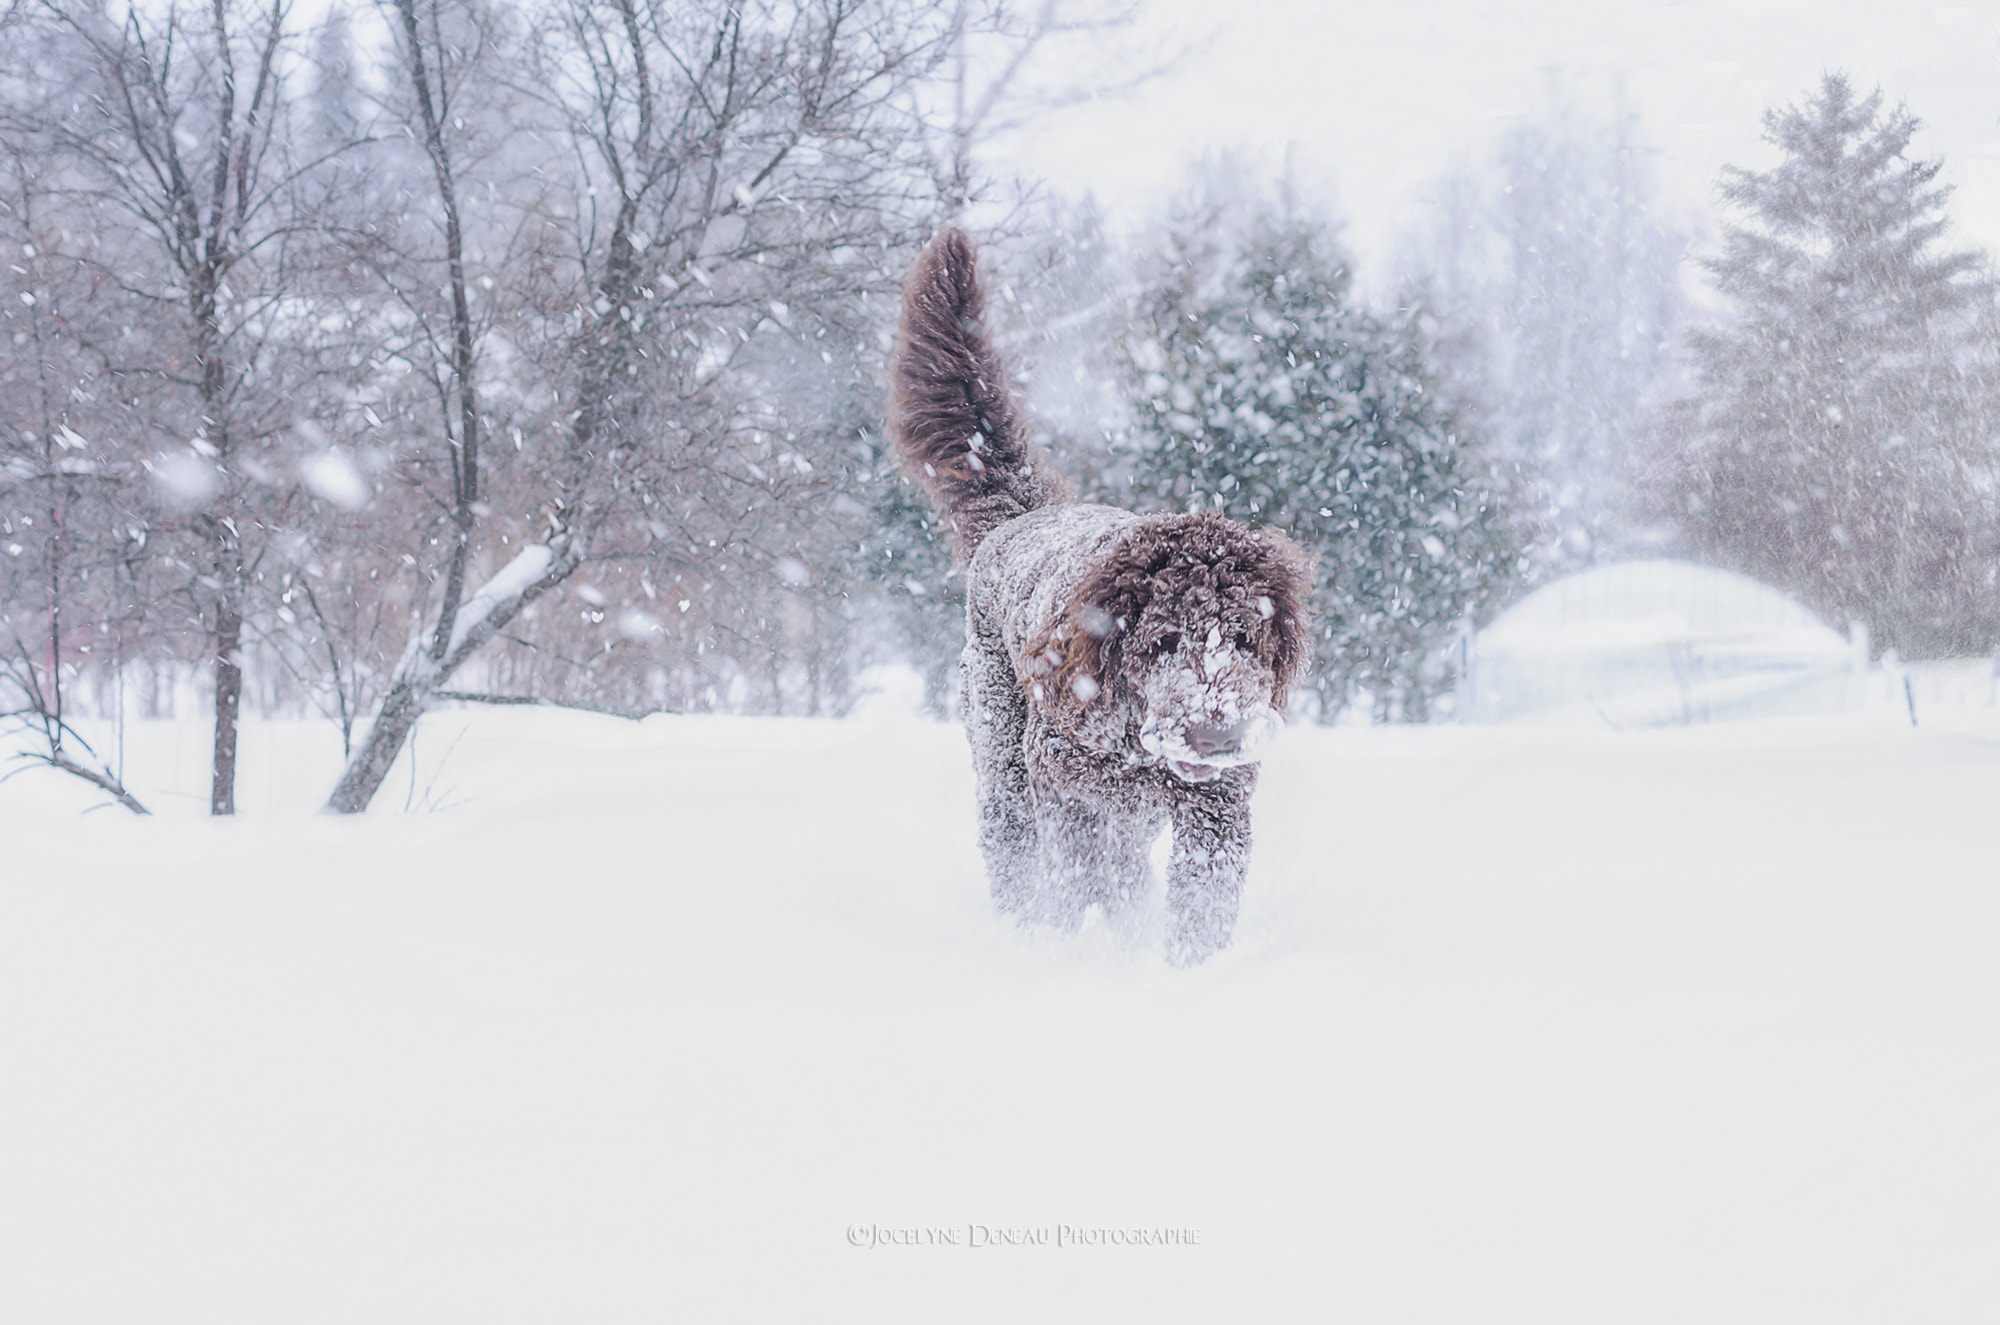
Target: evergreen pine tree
(1263, 392)
(1838, 444)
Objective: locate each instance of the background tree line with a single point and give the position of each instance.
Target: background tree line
(535, 354)
(532, 351)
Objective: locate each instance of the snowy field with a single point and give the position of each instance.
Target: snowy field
(601, 1021)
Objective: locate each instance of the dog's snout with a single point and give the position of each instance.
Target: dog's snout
(1212, 739)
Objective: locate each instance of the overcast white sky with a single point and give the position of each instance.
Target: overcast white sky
(1381, 94)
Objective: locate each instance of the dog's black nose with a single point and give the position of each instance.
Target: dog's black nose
(1210, 740)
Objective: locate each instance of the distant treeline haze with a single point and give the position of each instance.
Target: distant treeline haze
(448, 349)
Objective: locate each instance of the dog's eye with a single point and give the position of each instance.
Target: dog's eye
(1242, 643)
(1167, 643)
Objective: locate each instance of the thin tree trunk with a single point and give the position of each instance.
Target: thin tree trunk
(228, 702)
(465, 445)
(401, 707)
(420, 674)
(425, 669)
(225, 542)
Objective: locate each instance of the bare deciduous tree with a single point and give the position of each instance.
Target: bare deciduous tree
(177, 121)
(733, 171)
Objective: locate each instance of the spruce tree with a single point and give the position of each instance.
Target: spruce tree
(1839, 443)
(1262, 391)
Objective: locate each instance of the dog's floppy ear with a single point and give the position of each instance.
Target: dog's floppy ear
(1289, 571)
(1072, 666)
(1071, 662)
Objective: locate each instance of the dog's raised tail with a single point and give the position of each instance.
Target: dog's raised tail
(952, 416)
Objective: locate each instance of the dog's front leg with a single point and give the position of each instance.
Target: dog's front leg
(1092, 855)
(1210, 859)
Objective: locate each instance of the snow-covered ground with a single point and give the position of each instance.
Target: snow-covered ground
(655, 1021)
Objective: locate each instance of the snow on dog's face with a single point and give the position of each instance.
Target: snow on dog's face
(1184, 643)
(1206, 700)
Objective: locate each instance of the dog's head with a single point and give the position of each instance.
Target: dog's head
(1184, 640)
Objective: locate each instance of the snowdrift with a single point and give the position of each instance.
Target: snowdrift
(708, 1019)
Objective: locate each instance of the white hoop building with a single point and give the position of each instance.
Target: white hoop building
(1652, 643)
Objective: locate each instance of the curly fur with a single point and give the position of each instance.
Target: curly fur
(1121, 672)
(951, 409)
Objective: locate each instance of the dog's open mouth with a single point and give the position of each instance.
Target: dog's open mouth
(1187, 772)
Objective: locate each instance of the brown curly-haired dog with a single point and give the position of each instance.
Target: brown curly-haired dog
(1121, 672)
